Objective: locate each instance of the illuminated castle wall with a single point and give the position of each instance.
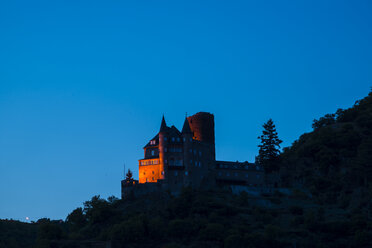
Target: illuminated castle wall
(177, 159)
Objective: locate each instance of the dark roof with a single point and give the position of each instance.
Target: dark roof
(163, 126)
(186, 127)
(237, 165)
(170, 131)
(156, 138)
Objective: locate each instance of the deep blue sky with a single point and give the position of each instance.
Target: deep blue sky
(83, 84)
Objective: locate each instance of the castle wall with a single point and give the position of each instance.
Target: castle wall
(237, 173)
(149, 173)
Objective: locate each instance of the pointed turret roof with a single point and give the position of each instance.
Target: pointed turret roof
(186, 127)
(163, 126)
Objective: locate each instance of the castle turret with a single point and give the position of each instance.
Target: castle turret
(202, 126)
(187, 145)
(162, 146)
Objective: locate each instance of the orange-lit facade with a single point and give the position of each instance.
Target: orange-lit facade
(180, 158)
(174, 159)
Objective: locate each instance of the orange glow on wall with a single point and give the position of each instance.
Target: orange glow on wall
(150, 171)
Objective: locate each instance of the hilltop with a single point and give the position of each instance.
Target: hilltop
(327, 171)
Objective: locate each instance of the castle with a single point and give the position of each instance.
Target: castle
(173, 160)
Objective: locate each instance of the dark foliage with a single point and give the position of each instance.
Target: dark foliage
(329, 170)
(268, 154)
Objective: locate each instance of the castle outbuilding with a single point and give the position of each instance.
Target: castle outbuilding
(175, 159)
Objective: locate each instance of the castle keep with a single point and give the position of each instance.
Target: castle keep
(175, 159)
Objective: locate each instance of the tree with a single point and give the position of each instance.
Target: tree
(269, 152)
(129, 175)
(76, 219)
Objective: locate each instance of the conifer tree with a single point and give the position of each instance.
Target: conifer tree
(129, 175)
(268, 155)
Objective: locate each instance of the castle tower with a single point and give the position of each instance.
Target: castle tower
(162, 146)
(202, 126)
(187, 145)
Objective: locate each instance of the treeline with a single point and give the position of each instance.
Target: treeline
(329, 170)
(214, 219)
(335, 160)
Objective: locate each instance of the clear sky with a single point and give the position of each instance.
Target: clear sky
(83, 84)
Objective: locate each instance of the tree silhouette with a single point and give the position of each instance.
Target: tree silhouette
(269, 152)
(129, 175)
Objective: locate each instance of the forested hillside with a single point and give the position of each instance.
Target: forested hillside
(334, 161)
(328, 171)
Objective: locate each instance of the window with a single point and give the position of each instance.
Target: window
(152, 152)
(219, 173)
(153, 172)
(172, 139)
(165, 138)
(178, 139)
(199, 164)
(190, 150)
(184, 139)
(190, 139)
(162, 172)
(152, 142)
(153, 179)
(227, 174)
(186, 173)
(176, 173)
(236, 174)
(144, 173)
(194, 151)
(196, 163)
(199, 153)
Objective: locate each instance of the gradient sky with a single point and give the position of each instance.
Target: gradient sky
(83, 84)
